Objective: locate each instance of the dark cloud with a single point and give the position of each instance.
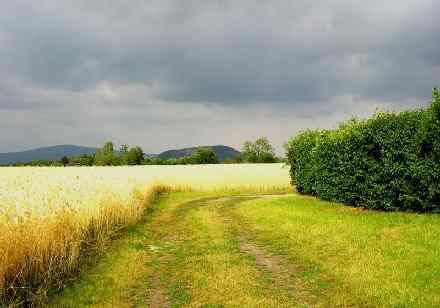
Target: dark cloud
(123, 68)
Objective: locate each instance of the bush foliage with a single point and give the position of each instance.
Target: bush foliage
(388, 162)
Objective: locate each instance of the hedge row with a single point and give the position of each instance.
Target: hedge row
(388, 162)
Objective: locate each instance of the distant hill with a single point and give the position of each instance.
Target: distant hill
(58, 151)
(223, 152)
(46, 153)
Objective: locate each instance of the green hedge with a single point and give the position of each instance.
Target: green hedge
(388, 162)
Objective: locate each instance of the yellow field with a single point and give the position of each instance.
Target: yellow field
(51, 217)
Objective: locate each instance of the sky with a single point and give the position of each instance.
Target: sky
(166, 74)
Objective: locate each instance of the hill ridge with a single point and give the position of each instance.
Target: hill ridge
(223, 152)
(55, 152)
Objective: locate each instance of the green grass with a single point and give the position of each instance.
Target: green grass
(211, 268)
(359, 257)
(214, 250)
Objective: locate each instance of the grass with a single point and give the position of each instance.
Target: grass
(210, 267)
(190, 257)
(216, 250)
(359, 257)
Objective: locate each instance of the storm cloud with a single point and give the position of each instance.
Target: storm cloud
(165, 74)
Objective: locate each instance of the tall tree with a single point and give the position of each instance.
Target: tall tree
(104, 156)
(134, 156)
(260, 151)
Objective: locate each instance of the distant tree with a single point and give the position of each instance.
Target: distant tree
(265, 151)
(204, 156)
(153, 161)
(200, 156)
(134, 156)
(83, 160)
(123, 149)
(175, 161)
(108, 148)
(249, 153)
(236, 160)
(64, 160)
(40, 163)
(148, 161)
(260, 151)
(104, 156)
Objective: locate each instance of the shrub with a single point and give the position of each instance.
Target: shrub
(389, 162)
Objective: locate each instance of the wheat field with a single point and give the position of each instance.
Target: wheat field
(51, 218)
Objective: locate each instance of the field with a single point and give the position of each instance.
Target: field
(51, 218)
(212, 236)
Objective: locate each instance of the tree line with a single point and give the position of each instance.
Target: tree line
(258, 151)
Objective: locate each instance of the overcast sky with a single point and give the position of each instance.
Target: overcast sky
(164, 74)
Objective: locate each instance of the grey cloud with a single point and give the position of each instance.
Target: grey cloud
(295, 58)
(228, 51)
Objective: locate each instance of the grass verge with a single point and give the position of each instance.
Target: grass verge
(355, 257)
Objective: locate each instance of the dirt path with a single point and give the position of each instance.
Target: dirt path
(188, 253)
